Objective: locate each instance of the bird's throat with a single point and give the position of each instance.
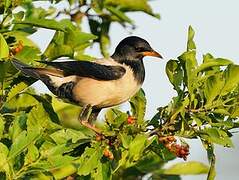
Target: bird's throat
(137, 67)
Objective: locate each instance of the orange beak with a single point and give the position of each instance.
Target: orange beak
(152, 53)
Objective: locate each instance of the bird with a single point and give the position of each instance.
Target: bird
(97, 84)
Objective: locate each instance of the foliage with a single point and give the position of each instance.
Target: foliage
(40, 136)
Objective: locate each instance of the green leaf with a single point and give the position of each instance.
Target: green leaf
(175, 74)
(189, 62)
(28, 54)
(215, 135)
(149, 163)
(53, 163)
(118, 120)
(213, 62)
(39, 119)
(138, 106)
(4, 165)
(32, 154)
(22, 142)
(132, 5)
(46, 101)
(187, 168)
(231, 75)
(2, 122)
(121, 15)
(190, 44)
(89, 160)
(43, 23)
(68, 43)
(125, 139)
(7, 4)
(4, 50)
(102, 172)
(64, 135)
(15, 90)
(75, 38)
(136, 148)
(213, 87)
(57, 47)
(17, 126)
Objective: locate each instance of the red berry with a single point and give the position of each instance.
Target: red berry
(106, 152)
(130, 120)
(17, 49)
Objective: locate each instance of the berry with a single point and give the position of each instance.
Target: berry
(107, 153)
(98, 138)
(131, 120)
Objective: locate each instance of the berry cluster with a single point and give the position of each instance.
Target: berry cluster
(181, 151)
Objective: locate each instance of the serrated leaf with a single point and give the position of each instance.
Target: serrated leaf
(89, 160)
(22, 142)
(4, 50)
(17, 126)
(187, 168)
(39, 119)
(15, 90)
(4, 165)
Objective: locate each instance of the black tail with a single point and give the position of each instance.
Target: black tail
(25, 69)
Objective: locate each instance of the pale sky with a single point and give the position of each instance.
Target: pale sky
(216, 25)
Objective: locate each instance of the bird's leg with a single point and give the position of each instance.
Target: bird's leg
(94, 114)
(84, 116)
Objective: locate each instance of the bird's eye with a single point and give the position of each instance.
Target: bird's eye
(139, 49)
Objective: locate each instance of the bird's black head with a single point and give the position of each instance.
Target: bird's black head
(133, 48)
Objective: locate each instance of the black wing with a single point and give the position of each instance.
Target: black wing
(88, 69)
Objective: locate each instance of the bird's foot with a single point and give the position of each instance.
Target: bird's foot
(92, 127)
